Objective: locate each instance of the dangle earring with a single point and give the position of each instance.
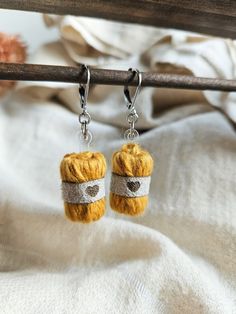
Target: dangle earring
(132, 166)
(83, 173)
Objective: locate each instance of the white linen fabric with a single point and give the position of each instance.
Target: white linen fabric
(177, 258)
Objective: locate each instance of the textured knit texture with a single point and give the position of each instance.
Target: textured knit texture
(131, 161)
(80, 168)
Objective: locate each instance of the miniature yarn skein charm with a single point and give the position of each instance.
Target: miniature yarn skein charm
(83, 173)
(83, 191)
(131, 170)
(132, 167)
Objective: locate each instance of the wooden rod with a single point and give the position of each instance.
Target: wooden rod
(50, 73)
(213, 17)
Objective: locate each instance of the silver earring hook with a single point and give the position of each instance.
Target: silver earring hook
(131, 133)
(84, 117)
(84, 88)
(131, 101)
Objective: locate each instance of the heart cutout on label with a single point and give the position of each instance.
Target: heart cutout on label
(92, 190)
(133, 186)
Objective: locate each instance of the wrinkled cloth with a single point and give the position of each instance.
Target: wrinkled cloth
(179, 257)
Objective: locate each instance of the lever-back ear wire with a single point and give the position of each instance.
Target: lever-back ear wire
(132, 166)
(82, 174)
(131, 133)
(84, 88)
(131, 101)
(84, 117)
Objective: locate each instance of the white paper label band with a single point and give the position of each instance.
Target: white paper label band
(130, 186)
(83, 193)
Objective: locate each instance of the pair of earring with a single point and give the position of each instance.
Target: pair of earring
(83, 174)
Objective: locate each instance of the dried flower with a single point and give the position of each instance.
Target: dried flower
(13, 50)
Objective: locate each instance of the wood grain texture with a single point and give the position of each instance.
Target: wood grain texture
(212, 17)
(30, 72)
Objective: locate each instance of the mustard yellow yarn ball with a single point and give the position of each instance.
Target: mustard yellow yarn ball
(79, 168)
(131, 161)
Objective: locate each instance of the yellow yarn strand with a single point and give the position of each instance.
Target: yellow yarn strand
(131, 161)
(79, 168)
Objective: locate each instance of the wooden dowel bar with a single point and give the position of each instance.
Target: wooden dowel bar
(49, 73)
(213, 17)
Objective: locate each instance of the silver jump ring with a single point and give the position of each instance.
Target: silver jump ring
(132, 117)
(131, 134)
(84, 117)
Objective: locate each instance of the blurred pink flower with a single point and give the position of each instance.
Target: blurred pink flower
(12, 50)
